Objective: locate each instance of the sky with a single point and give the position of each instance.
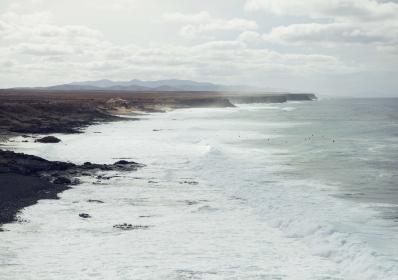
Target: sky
(335, 47)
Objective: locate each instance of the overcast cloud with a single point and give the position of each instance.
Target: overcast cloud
(337, 47)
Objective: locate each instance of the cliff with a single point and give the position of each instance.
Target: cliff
(271, 98)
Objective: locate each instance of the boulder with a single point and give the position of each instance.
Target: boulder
(125, 162)
(48, 139)
(95, 201)
(84, 215)
(122, 162)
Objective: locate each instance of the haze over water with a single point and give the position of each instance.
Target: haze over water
(287, 191)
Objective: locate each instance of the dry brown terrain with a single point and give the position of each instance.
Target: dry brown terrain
(46, 111)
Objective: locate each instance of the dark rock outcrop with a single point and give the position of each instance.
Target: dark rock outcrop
(19, 114)
(84, 215)
(62, 181)
(271, 98)
(209, 102)
(25, 179)
(48, 139)
(95, 201)
(122, 162)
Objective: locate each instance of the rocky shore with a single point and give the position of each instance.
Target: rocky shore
(43, 116)
(25, 179)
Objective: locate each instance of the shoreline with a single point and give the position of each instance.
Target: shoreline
(25, 179)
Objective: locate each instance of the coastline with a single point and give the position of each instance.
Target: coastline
(207, 170)
(25, 179)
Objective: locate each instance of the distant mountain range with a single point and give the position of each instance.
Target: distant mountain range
(160, 85)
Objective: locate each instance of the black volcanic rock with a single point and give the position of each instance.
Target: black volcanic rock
(95, 201)
(48, 139)
(62, 181)
(18, 191)
(29, 165)
(25, 179)
(84, 215)
(124, 162)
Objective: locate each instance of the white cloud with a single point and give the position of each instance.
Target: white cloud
(68, 31)
(105, 5)
(353, 9)
(43, 49)
(250, 37)
(119, 5)
(60, 53)
(366, 22)
(198, 18)
(36, 34)
(331, 34)
(38, 28)
(202, 24)
(220, 46)
(232, 24)
(6, 65)
(36, 49)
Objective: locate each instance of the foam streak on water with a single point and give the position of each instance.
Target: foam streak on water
(220, 199)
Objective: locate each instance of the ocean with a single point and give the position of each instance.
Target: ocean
(300, 190)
